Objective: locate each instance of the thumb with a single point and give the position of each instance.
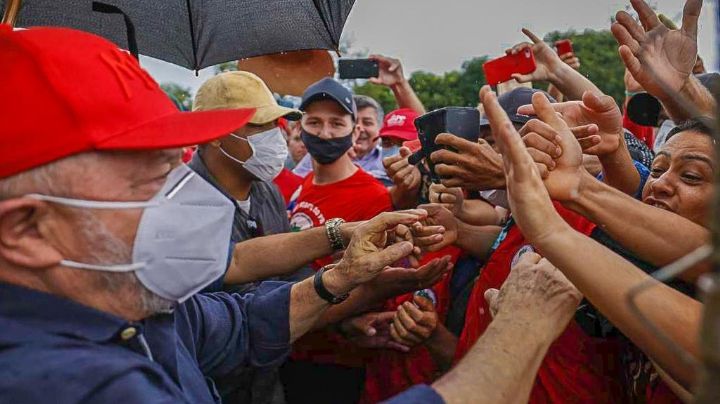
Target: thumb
(522, 78)
(424, 303)
(394, 253)
(405, 152)
(491, 297)
(584, 131)
(598, 103)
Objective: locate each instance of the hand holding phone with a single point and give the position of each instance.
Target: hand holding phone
(358, 68)
(564, 47)
(463, 122)
(501, 69)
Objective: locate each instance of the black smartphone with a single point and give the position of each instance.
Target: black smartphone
(463, 122)
(358, 68)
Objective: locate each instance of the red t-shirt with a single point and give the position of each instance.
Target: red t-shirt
(389, 372)
(359, 197)
(287, 182)
(577, 368)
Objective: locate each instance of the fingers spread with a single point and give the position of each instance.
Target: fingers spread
(647, 15)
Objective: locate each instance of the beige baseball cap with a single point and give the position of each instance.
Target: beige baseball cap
(239, 89)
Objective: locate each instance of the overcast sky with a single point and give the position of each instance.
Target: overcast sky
(438, 35)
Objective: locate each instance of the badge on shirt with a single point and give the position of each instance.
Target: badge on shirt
(522, 251)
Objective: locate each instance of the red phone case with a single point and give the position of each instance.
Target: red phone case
(501, 69)
(563, 46)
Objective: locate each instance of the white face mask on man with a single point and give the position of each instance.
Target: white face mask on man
(269, 154)
(167, 256)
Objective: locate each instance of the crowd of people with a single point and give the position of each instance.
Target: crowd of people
(248, 252)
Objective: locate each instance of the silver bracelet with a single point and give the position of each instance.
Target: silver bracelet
(332, 230)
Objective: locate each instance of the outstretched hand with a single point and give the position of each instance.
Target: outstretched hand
(546, 60)
(659, 58)
(370, 250)
(596, 122)
(529, 199)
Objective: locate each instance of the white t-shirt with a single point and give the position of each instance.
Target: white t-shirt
(244, 205)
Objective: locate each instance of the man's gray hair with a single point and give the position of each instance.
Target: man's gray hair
(45, 179)
(363, 101)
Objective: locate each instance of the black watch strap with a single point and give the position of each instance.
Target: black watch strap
(323, 292)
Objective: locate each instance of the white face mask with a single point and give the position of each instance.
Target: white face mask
(269, 154)
(181, 245)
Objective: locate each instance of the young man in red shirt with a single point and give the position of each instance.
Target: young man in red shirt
(336, 188)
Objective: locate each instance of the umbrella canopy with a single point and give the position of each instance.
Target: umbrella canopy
(201, 33)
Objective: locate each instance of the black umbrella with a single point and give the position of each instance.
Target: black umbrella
(199, 33)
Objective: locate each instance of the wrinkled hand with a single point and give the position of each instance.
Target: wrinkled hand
(437, 231)
(546, 60)
(414, 323)
(475, 166)
(405, 176)
(596, 122)
(371, 330)
(398, 280)
(450, 198)
(528, 197)
(653, 52)
(369, 250)
(391, 71)
(535, 292)
(571, 60)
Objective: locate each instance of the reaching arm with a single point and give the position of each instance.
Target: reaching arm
(662, 59)
(602, 276)
(531, 310)
(605, 279)
(391, 75)
(656, 236)
(550, 67)
(251, 261)
(369, 252)
(476, 240)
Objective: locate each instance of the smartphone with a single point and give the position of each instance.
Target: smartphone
(358, 68)
(463, 122)
(501, 69)
(563, 46)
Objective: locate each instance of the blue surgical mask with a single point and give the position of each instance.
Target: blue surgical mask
(181, 242)
(390, 151)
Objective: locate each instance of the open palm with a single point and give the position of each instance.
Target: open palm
(659, 58)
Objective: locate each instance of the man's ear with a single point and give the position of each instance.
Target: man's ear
(21, 243)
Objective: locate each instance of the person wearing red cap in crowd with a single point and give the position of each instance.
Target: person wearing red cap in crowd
(107, 237)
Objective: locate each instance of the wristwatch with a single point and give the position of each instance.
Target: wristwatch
(322, 291)
(332, 229)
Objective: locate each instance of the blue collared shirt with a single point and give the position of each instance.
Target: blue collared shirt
(53, 349)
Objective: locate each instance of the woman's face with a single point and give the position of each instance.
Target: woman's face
(681, 179)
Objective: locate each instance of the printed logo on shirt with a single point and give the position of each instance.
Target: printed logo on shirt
(522, 251)
(300, 222)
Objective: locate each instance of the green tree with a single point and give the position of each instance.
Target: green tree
(182, 96)
(454, 88)
(599, 59)
(226, 67)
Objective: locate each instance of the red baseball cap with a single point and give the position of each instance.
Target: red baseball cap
(69, 92)
(400, 124)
